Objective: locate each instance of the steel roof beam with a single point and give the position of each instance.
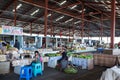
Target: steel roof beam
(61, 8)
(41, 5)
(93, 8)
(97, 10)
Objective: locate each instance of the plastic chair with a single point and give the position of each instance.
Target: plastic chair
(26, 72)
(36, 68)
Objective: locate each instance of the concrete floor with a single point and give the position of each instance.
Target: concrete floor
(53, 74)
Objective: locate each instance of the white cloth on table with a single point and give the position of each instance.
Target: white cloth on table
(111, 74)
(53, 61)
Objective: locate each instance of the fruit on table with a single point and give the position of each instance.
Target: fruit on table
(83, 56)
(52, 54)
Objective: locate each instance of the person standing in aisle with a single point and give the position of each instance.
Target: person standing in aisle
(17, 44)
(63, 54)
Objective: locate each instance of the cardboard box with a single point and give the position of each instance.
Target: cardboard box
(104, 60)
(4, 67)
(108, 51)
(112, 51)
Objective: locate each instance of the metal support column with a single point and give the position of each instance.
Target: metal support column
(15, 4)
(113, 13)
(45, 27)
(101, 20)
(69, 34)
(51, 25)
(30, 28)
(73, 30)
(88, 34)
(82, 21)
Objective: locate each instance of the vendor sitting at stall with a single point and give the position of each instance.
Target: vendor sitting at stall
(38, 57)
(63, 61)
(64, 54)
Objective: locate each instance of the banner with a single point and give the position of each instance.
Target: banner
(17, 31)
(6, 29)
(12, 30)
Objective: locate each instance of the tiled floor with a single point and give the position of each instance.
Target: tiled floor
(53, 74)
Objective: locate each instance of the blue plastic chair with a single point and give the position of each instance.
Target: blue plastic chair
(37, 69)
(26, 72)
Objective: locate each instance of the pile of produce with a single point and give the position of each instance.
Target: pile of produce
(69, 53)
(70, 70)
(52, 54)
(83, 56)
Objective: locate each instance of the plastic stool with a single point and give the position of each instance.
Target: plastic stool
(36, 68)
(26, 72)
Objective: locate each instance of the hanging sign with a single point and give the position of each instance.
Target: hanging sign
(6, 29)
(12, 30)
(17, 30)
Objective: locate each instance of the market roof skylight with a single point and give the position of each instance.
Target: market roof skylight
(96, 1)
(73, 7)
(108, 1)
(59, 18)
(81, 10)
(63, 2)
(17, 7)
(34, 12)
(77, 22)
(49, 15)
(117, 8)
(116, 2)
(102, 2)
(69, 20)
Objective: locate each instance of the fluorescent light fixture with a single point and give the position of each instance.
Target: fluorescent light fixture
(117, 8)
(106, 7)
(63, 2)
(73, 7)
(108, 1)
(96, 1)
(69, 20)
(59, 18)
(49, 15)
(77, 22)
(116, 2)
(81, 10)
(17, 7)
(103, 2)
(34, 12)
